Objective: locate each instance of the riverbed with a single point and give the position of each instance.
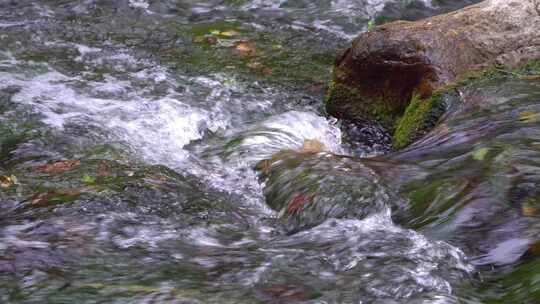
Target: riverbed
(179, 152)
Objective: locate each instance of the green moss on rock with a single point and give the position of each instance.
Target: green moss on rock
(420, 116)
(530, 68)
(341, 99)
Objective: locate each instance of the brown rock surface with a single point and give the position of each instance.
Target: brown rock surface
(376, 78)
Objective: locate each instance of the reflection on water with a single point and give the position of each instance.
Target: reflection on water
(176, 151)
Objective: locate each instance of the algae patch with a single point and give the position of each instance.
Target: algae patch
(420, 116)
(229, 46)
(342, 99)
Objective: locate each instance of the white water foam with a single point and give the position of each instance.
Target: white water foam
(368, 7)
(11, 24)
(231, 169)
(158, 128)
(288, 131)
(351, 7)
(139, 4)
(367, 238)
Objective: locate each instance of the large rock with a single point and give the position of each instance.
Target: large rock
(309, 186)
(392, 64)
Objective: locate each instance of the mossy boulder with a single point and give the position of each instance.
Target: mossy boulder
(394, 73)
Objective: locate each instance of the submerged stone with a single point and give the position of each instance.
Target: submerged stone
(307, 188)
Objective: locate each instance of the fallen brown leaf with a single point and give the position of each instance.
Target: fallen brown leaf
(58, 167)
(6, 181)
(211, 40)
(244, 48)
(291, 293)
(298, 202)
(45, 197)
(312, 146)
(40, 198)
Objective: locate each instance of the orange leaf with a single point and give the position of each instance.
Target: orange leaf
(298, 202)
(244, 47)
(58, 167)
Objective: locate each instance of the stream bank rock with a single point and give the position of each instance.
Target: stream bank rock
(392, 73)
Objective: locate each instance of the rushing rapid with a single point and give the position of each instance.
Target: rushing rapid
(179, 152)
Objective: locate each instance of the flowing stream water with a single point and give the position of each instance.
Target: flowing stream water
(178, 152)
